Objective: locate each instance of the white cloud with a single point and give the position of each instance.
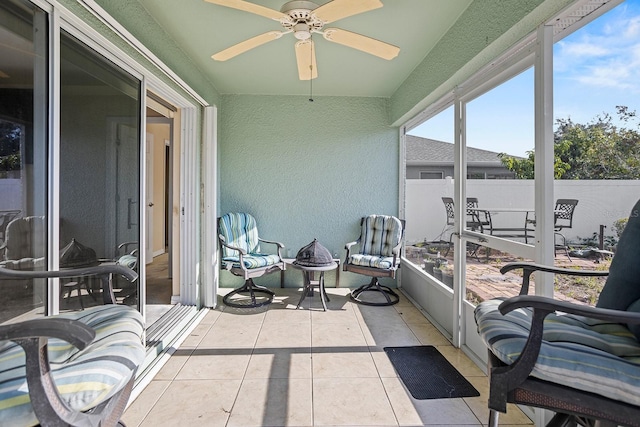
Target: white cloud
(584, 49)
(603, 54)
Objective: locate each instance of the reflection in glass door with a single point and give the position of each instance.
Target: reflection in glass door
(23, 156)
(99, 168)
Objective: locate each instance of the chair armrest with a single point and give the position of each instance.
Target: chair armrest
(550, 305)
(241, 253)
(97, 270)
(348, 245)
(104, 272)
(32, 336)
(279, 245)
(74, 332)
(348, 249)
(529, 267)
(511, 376)
(126, 246)
(272, 242)
(226, 245)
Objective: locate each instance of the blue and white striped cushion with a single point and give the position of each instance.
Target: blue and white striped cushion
(84, 378)
(586, 354)
(239, 230)
(253, 260)
(380, 234)
(373, 261)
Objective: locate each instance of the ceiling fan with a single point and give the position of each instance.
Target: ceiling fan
(304, 18)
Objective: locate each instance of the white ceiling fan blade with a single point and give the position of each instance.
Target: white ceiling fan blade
(360, 42)
(246, 45)
(338, 9)
(306, 58)
(251, 8)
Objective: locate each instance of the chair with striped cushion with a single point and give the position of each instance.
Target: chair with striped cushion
(72, 369)
(243, 256)
(380, 248)
(581, 362)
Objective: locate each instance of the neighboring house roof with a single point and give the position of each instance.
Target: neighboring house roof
(425, 151)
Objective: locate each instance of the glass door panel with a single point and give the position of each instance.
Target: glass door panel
(23, 156)
(99, 167)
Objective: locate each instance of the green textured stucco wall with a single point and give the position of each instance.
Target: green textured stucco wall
(307, 170)
(132, 16)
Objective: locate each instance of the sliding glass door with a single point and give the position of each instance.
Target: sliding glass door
(23, 155)
(99, 165)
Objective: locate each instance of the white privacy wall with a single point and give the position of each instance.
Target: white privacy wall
(599, 202)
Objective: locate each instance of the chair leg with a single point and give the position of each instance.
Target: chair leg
(373, 286)
(493, 418)
(563, 246)
(250, 288)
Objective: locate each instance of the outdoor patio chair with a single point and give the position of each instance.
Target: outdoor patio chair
(72, 369)
(242, 256)
(581, 362)
(24, 245)
(127, 254)
(562, 219)
(5, 218)
(380, 245)
(473, 222)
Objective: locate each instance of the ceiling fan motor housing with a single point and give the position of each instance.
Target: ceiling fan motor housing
(301, 19)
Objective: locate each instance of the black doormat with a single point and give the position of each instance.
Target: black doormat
(427, 374)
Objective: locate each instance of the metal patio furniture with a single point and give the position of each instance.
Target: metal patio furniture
(473, 222)
(562, 219)
(581, 362)
(5, 218)
(242, 255)
(71, 369)
(380, 249)
(24, 244)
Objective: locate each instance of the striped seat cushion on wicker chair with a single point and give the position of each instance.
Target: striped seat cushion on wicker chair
(84, 378)
(579, 352)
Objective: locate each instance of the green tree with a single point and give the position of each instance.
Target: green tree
(10, 137)
(596, 150)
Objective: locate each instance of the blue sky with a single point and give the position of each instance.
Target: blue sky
(595, 69)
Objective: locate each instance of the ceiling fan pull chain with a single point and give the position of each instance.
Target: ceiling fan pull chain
(311, 72)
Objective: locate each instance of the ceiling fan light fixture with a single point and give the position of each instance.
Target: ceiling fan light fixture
(302, 31)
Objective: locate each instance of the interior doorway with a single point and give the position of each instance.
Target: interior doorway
(160, 290)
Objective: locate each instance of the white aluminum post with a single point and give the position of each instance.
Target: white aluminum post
(460, 211)
(544, 159)
(209, 265)
(544, 162)
(53, 214)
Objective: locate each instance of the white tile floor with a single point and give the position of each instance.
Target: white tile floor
(278, 366)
